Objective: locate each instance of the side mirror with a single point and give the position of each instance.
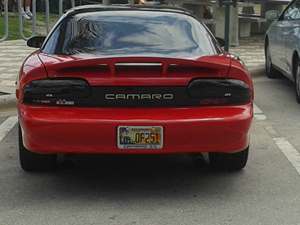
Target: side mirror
(272, 15)
(221, 41)
(36, 41)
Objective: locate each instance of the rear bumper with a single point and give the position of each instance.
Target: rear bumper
(94, 130)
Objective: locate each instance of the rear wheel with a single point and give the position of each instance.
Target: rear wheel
(271, 72)
(229, 161)
(296, 73)
(31, 161)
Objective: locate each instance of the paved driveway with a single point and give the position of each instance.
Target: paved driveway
(165, 189)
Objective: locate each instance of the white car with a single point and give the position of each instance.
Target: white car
(282, 48)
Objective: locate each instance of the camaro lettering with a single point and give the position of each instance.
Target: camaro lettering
(166, 96)
(110, 96)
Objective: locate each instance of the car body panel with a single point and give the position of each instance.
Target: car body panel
(187, 129)
(77, 66)
(292, 39)
(94, 130)
(276, 43)
(284, 40)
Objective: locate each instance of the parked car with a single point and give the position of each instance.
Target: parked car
(282, 45)
(132, 80)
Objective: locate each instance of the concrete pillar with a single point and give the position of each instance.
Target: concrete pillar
(219, 15)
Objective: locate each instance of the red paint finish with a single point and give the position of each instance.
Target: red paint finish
(89, 130)
(93, 130)
(72, 66)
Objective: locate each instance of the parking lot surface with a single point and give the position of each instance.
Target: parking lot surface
(165, 189)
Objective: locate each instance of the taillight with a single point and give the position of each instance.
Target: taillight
(56, 91)
(219, 91)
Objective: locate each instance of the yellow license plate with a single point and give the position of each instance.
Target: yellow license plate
(140, 137)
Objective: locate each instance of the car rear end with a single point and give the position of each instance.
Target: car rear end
(138, 101)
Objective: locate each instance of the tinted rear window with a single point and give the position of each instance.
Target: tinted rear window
(131, 33)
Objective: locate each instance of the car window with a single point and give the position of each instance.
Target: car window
(128, 33)
(293, 11)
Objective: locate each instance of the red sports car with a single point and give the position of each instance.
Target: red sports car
(132, 80)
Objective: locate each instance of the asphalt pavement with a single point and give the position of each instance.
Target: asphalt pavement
(157, 190)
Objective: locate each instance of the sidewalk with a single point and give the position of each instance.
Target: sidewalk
(251, 51)
(12, 54)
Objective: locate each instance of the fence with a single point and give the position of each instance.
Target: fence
(5, 7)
(34, 17)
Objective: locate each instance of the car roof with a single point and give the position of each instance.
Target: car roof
(125, 7)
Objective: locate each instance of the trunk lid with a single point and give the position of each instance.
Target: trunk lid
(132, 71)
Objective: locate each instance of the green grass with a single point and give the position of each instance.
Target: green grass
(13, 26)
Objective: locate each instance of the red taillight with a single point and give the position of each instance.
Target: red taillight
(219, 91)
(56, 91)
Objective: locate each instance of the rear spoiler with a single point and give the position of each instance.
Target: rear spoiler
(217, 64)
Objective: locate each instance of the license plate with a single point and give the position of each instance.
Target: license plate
(140, 137)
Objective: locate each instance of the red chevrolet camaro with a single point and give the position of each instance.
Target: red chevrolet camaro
(132, 80)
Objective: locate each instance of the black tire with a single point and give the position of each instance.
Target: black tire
(271, 72)
(229, 161)
(31, 161)
(296, 74)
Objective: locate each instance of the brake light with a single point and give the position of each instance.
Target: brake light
(56, 91)
(77, 92)
(219, 91)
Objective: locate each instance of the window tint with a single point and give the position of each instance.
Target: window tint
(293, 12)
(131, 33)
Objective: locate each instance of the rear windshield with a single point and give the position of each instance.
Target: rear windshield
(131, 33)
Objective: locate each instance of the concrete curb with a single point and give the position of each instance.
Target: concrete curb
(8, 101)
